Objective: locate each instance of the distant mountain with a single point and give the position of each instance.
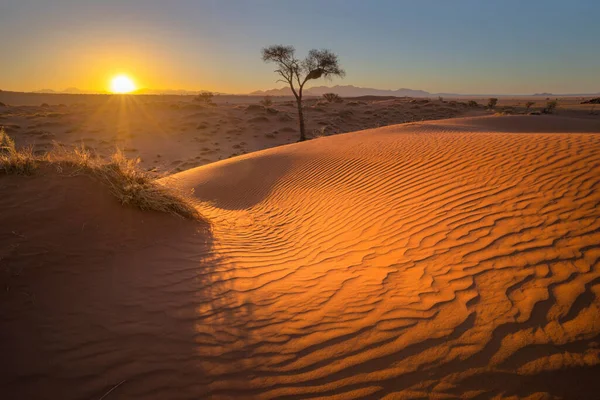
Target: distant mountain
(344, 91)
(179, 92)
(70, 90)
(172, 92)
(44, 91)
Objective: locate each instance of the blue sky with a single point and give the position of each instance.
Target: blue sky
(461, 46)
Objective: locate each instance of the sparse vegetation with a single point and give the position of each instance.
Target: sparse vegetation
(205, 97)
(529, 104)
(595, 100)
(332, 98)
(473, 103)
(125, 179)
(320, 132)
(550, 107)
(266, 101)
(13, 161)
(492, 102)
(295, 72)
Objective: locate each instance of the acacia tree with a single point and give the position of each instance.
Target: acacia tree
(295, 72)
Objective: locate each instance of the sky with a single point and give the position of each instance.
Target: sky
(441, 46)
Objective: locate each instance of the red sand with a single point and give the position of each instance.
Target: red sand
(448, 259)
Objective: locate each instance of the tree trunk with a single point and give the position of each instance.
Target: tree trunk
(301, 119)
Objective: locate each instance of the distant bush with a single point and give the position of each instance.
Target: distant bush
(473, 103)
(205, 97)
(266, 101)
(550, 107)
(592, 101)
(529, 104)
(332, 97)
(492, 102)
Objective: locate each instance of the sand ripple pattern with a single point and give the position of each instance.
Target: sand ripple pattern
(446, 258)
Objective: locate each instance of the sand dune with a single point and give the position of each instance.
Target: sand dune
(444, 259)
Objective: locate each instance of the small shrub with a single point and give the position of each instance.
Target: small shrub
(473, 103)
(550, 107)
(317, 133)
(332, 98)
(492, 102)
(529, 104)
(441, 99)
(205, 97)
(266, 101)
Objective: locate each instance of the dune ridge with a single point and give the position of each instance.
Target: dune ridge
(448, 259)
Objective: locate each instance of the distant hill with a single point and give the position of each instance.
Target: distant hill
(71, 90)
(344, 91)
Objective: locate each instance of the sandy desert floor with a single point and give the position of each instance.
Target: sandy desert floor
(174, 133)
(457, 258)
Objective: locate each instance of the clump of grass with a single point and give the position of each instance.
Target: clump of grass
(13, 161)
(125, 179)
(128, 182)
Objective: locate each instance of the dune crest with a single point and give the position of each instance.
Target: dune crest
(448, 259)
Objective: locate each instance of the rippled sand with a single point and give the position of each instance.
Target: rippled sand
(447, 259)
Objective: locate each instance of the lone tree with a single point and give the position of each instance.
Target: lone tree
(295, 72)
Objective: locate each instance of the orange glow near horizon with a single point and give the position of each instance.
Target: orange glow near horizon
(121, 84)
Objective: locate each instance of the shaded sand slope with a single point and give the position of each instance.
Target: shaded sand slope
(450, 259)
(93, 293)
(445, 257)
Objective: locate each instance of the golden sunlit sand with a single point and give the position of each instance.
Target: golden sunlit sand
(456, 258)
(299, 200)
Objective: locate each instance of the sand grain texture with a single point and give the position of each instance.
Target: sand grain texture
(447, 259)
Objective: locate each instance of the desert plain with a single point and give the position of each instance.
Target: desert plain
(412, 248)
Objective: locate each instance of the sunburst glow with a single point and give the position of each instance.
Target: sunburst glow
(122, 84)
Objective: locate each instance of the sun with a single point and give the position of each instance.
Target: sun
(122, 84)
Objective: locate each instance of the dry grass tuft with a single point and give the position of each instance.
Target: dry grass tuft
(13, 161)
(130, 184)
